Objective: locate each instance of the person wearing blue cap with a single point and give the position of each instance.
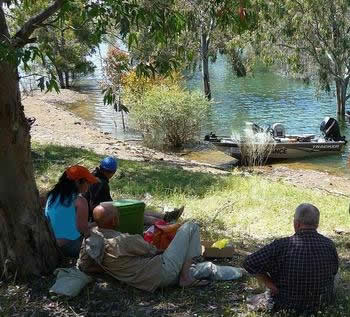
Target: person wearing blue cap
(100, 192)
(99, 196)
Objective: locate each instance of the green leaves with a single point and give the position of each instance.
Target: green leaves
(132, 39)
(17, 56)
(48, 83)
(109, 96)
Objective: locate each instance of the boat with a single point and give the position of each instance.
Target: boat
(281, 146)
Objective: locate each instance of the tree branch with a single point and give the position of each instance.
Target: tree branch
(313, 51)
(21, 37)
(292, 47)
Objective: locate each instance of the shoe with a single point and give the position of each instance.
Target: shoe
(173, 216)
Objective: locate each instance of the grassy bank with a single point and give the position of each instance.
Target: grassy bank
(247, 209)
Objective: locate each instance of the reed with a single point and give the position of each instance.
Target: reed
(255, 147)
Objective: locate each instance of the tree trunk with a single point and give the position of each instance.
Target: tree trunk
(66, 75)
(205, 64)
(60, 78)
(237, 64)
(341, 88)
(26, 246)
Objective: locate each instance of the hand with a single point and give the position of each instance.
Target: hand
(267, 281)
(273, 289)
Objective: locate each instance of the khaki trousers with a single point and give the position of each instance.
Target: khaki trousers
(185, 245)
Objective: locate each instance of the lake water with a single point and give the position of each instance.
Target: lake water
(264, 98)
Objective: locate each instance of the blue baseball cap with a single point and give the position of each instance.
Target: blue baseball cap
(109, 164)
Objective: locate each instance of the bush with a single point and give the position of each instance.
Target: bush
(169, 115)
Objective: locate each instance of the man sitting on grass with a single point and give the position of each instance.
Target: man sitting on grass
(136, 262)
(299, 270)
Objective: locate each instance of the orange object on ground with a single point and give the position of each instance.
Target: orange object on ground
(161, 234)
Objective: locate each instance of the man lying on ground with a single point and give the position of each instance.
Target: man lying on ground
(99, 196)
(134, 261)
(299, 270)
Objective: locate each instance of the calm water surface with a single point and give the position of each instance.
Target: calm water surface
(264, 98)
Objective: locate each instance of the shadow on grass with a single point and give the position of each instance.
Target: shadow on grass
(162, 181)
(108, 297)
(46, 157)
(133, 179)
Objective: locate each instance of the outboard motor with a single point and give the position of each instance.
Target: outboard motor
(330, 129)
(278, 130)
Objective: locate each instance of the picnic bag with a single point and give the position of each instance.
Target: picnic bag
(161, 234)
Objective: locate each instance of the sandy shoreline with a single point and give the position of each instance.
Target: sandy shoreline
(56, 125)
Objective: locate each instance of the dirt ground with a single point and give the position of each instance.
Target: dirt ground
(54, 124)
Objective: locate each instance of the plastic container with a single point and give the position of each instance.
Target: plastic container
(131, 214)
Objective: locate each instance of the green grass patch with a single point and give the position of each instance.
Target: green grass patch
(250, 210)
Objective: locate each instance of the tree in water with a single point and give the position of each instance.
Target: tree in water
(210, 24)
(213, 22)
(311, 38)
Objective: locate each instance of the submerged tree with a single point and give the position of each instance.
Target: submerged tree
(214, 23)
(209, 25)
(311, 37)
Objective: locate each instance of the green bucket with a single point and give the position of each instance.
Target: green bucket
(131, 215)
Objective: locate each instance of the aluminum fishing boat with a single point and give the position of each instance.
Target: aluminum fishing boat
(283, 146)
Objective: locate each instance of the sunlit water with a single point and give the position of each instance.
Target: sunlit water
(264, 98)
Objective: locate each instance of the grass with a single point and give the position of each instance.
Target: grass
(249, 210)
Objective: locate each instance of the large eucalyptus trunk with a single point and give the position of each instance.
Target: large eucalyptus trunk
(205, 64)
(26, 246)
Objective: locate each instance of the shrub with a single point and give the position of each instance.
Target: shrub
(169, 115)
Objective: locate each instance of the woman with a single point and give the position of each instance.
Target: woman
(67, 210)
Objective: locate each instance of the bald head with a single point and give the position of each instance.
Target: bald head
(105, 217)
(307, 215)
